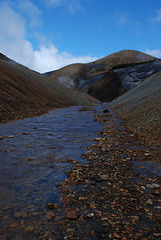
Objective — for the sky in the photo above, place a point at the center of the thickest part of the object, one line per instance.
(46, 35)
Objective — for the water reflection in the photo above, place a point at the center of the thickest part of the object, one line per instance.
(33, 161)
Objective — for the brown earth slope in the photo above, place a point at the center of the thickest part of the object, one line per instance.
(25, 93)
(140, 108)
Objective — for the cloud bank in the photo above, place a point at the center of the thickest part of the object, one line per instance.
(14, 43)
(155, 52)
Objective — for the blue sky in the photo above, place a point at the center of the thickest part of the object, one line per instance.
(48, 34)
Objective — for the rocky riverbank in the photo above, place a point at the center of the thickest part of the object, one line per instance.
(114, 196)
(109, 191)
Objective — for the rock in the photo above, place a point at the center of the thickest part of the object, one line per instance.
(11, 136)
(147, 154)
(153, 185)
(104, 177)
(82, 198)
(71, 215)
(106, 111)
(157, 234)
(50, 205)
(150, 202)
(90, 215)
(2, 137)
(98, 139)
(56, 206)
(156, 192)
(13, 225)
(26, 133)
(50, 215)
(117, 235)
(18, 215)
(6, 207)
(30, 159)
(24, 214)
(104, 218)
(158, 207)
(29, 229)
(36, 213)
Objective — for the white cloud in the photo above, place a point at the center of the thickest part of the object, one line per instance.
(13, 43)
(48, 58)
(56, 3)
(71, 6)
(120, 18)
(31, 12)
(155, 53)
(11, 24)
(157, 18)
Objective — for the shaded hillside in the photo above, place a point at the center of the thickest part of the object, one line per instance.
(97, 78)
(121, 79)
(140, 108)
(25, 93)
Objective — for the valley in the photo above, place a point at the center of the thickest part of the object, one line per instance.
(81, 150)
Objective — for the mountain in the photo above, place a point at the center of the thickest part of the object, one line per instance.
(26, 93)
(140, 109)
(101, 78)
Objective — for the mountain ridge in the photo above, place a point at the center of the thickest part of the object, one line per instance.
(99, 78)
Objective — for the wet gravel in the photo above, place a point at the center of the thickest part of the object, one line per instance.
(117, 195)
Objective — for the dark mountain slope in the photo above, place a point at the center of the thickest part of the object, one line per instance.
(100, 78)
(121, 79)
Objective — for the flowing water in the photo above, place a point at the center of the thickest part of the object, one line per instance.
(34, 155)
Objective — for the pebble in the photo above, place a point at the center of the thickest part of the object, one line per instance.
(50, 215)
(11, 136)
(23, 214)
(90, 215)
(14, 225)
(71, 215)
(98, 139)
(50, 206)
(106, 111)
(56, 206)
(150, 202)
(117, 235)
(157, 234)
(153, 185)
(18, 215)
(104, 177)
(29, 229)
(26, 133)
(2, 137)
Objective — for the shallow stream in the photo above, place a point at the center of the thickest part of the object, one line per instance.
(34, 155)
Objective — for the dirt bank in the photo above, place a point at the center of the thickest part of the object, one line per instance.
(140, 109)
